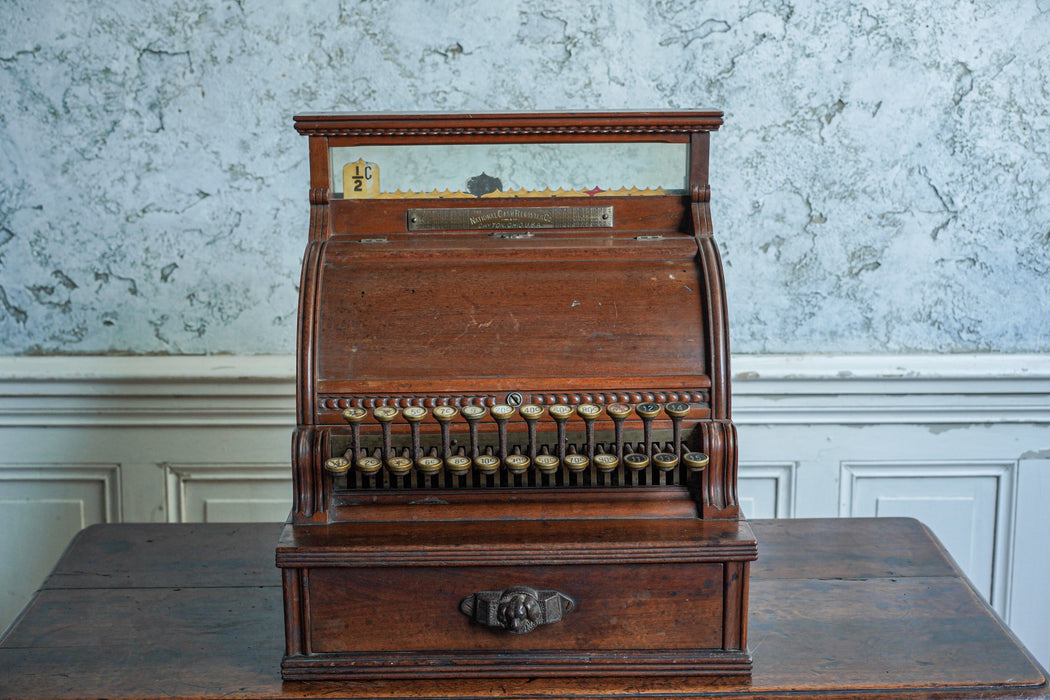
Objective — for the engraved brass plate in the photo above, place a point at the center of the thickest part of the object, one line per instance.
(500, 218)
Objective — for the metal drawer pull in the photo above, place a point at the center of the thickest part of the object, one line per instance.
(518, 609)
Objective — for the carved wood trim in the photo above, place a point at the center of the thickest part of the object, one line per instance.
(734, 618)
(338, 403)
(521, 555)
(719, 483)
(499, 131)
(293, 612)
(495, 125)
(307, 332)
(591, 662)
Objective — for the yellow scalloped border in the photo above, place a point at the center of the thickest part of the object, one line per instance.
(524, 194)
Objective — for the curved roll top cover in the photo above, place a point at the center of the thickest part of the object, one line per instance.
(461, 312)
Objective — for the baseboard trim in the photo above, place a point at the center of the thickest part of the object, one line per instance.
(232, 390)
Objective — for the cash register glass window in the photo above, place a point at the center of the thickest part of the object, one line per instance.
(509, 170)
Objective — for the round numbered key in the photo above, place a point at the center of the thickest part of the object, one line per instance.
(677, 409)
(369, 465)
(385, 414)
(486, 464)
(531, 412)
(428, 465)
(445, 413)
(457, 464)
(414, 414)
(548, 464)
(636, 462)
(589, 411)
(577, 463)
(337, 465)
(517, 464)
(665, 461)
(648, 410)
(618, 410)
(696, 461)
(473, 413)
(561, 411)
(354, 414)
(502, 411)
(606, 463)
(399, 465)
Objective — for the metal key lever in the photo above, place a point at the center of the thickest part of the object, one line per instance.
(473, 414)
(444, 415)
(354, 416)
(414, 415)
(501, 413)
(647, 411)
(530, 414)
(677, 411)
(561, 413)
(589, 412)
(618, 412)
(385, 415)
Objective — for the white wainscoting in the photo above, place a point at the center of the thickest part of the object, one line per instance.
(959, 442)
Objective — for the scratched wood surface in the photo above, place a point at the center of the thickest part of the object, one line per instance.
(839, 608)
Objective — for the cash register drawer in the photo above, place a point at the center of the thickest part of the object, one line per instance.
(610, 610)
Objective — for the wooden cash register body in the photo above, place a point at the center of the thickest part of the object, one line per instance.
(533, 299)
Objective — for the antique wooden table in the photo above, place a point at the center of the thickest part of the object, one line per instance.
(839, 608)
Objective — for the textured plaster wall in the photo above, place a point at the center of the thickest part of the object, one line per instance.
(881, 184)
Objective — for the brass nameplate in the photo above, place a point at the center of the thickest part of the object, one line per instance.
(500, 218)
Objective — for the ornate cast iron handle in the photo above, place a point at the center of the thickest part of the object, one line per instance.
(518, 609)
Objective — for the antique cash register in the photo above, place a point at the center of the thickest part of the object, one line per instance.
(514, 453)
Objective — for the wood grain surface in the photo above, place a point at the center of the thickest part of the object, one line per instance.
(839, 608)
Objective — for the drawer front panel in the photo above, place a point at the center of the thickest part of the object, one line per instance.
(396, 609)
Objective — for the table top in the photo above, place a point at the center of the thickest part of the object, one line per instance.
(838, 609)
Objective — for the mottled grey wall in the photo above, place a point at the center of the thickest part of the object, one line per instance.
(880, 185)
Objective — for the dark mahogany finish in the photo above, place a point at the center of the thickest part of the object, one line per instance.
(840, 609)
(376, 565)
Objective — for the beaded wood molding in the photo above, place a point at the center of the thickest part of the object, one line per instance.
(334, 403)
(494, 124)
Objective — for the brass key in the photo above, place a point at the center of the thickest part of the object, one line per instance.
(695, 461)
(457, 464)
(517, 464)
(337, 465)
(399, 465)
(385, 414)
(577, 463)
(354, 415)
(369, 465)
(486, 464)
(547, 464)
(636, 461)
(428, 465)
(665, 461)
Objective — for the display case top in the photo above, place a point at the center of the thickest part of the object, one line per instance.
(501, 251)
